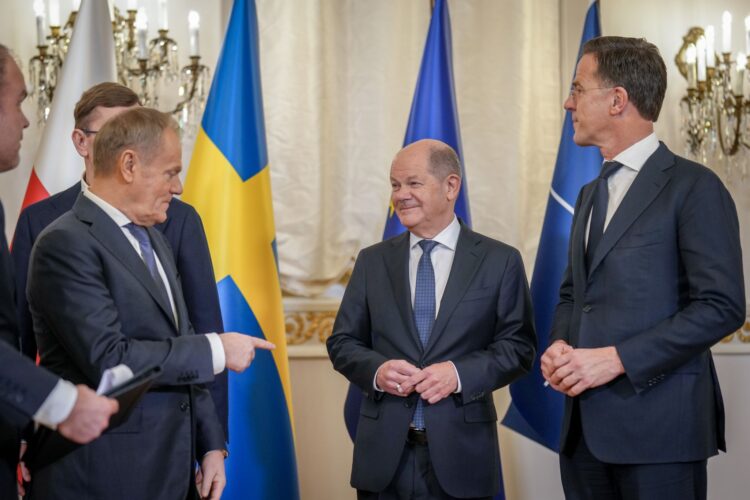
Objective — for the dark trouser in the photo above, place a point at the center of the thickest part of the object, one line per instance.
(414, 479)
(585, 477)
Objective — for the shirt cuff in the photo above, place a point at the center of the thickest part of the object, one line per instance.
(375, 381)
(218, 357)
(58, 405)
(458, 379)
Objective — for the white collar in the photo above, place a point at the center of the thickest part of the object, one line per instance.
(115, 214)
(448, 237)
(635, 156)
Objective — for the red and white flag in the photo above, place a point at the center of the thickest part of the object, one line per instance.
(90, 60)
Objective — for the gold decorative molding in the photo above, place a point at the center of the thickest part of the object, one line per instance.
(302, 327)
(735, 343)
(309, 323)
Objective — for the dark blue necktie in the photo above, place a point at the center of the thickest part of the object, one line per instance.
(148, 256)
(424, 309)
(599, 210)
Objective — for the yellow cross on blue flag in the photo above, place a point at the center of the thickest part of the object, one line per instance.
(229, 185)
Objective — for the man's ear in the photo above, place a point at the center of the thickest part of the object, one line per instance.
(127, 163)
(620, 100)
(81, 143)
(454, 186)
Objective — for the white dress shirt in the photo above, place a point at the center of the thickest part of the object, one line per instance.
(632, 159)
(442, 261)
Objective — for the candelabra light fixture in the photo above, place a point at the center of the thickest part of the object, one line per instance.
(716, 109)
(149, 67)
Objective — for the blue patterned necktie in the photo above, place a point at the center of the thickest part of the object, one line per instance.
(599, 210)
(424, 309)
(148, 256)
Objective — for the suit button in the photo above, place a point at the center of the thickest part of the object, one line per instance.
(407, 404)
(184, 406)
(586, 308)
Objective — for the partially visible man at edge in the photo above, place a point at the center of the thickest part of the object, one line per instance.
(28, 392)
(183, 229)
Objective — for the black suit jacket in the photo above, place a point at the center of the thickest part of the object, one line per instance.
(484, 326)
(664, 286)
(23, 386)
(184, 231)
(95, 305)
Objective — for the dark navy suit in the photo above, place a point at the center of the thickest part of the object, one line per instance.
(665, 284)
(184, 232)
(23, 386)
(95, 305)
(484, 326)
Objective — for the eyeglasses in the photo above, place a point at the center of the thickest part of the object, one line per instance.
(87, 131)
(576, 90)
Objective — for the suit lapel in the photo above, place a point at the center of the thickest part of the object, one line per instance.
(466, 261)
(647, 185)
(106, 232)
(167, 261)
(578, 242)
(397, 266)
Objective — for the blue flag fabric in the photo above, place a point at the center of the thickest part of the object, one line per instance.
(433, 115)
(535, 410)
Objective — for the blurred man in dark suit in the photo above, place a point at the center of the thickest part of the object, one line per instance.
(654, 279)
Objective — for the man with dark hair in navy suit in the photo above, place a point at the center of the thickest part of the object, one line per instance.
(183, 229)
(654, 279)
(28, 392)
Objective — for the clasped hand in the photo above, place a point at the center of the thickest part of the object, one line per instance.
(433, 383)
(572, 371)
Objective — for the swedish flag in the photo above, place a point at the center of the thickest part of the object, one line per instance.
(229, 184)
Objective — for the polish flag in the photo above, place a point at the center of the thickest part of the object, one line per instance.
(90, 60)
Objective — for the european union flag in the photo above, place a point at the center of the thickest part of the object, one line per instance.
(230, 186)
(535, 410)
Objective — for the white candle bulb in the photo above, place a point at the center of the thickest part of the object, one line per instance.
(690, 57)
(690, 54)
(710, 46)
(726, 32)
(739, 83)
(747, 34)
(132, 4)
(163, 15)
(76, 5)
(41, 32)
(194, 22)
(141, 25)
(701, 53)
(54, 12)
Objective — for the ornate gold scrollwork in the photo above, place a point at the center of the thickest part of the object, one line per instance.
(304, 326)
(743, 334)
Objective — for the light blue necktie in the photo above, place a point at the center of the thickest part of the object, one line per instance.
(424, 309)
(148, 256)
